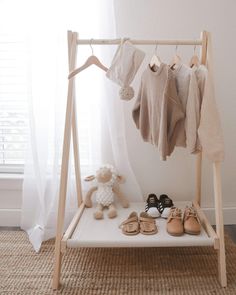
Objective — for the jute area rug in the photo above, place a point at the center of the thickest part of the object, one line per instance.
(112, 271)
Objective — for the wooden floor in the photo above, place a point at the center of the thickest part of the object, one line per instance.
(230, 229)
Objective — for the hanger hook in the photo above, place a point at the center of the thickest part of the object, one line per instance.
(194, 49)
(156, 48)
(90, 44)
(176, 49)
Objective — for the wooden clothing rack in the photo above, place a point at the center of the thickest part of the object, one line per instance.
(83, 228)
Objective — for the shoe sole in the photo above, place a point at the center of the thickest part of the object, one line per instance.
(156, 216)
(165, 216)
(175, 235)
(149, 233)
(192, 233)
(131, 233)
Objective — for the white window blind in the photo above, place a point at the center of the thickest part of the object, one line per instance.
(14, 86)
(13, 103)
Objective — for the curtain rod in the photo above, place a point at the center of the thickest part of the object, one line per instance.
(138, 42)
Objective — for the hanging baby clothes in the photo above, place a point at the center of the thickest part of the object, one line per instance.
(188, 92)
(158, 110)
(124, 67)
(210, 131)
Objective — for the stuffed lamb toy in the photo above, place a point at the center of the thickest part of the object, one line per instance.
(106, 188)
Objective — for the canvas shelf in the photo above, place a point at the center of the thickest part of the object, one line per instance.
(106, 232)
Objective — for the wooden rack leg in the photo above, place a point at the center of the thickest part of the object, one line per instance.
(198, 179)
(199, 155)
(64, 171)
(219, 224)
(76, 155)
(75, 137)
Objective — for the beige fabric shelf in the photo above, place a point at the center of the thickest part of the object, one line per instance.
(106, 233)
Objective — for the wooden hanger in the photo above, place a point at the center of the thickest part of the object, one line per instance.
(176, 59)
(92, 60)
(194, 61)
(155, 61)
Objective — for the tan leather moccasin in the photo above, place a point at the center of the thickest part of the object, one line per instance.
(192, 225)
(174, 224)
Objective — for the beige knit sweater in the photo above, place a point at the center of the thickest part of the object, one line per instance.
(189, 95)
(158, 110)
(210, 133)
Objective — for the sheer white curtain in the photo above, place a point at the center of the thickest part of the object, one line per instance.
(100, 112)
(113, 127)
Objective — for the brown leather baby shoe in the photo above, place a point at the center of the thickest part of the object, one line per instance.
(147, 224)
(191, 222)
(174, 224)
(130, 226)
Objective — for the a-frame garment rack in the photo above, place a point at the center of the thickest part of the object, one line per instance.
(75, 235)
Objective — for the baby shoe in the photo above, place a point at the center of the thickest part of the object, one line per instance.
(191, 222)
(165, 205)
(174, 224)
(151, 207)
(130, 226)
(147, 224)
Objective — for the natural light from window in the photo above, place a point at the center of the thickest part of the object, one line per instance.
(22, 25)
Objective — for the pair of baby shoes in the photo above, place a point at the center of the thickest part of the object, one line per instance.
(178, 223)
(158, 207)
(135, 224)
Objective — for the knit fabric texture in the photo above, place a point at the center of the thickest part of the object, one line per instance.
(189, 95)
(210, 132)
(158, 111)
(104, 194)
(124, 67)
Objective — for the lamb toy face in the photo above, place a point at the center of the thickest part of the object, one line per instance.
(107, 187)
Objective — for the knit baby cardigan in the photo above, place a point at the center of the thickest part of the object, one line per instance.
(158, 110)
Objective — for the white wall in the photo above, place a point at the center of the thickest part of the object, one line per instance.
(166, 19)
(10, 199)
(184, 19)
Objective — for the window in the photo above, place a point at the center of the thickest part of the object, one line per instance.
(13, 103)
(26, 18)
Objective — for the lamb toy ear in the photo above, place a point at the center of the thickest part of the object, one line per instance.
(120, 179)
(89, 178)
